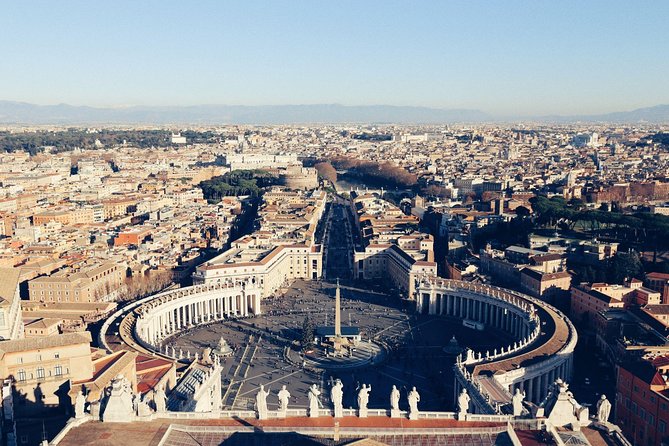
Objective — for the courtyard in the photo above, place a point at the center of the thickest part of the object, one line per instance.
(265, 348)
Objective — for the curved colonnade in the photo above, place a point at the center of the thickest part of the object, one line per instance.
(168, 313)
(542, 351)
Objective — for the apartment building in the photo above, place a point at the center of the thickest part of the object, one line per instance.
(660, 283)
(95, 283)
(589, 299)
(43, 367)
(642, 400)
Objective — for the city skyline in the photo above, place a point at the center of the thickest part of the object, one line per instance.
(512, 59)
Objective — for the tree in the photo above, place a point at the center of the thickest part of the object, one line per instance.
(307, 334)
(624, 265)
(436, 191)
(385, 173)
(522, 211)
(326, 171)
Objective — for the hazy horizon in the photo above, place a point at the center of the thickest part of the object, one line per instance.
(508, 59)
(390, 105)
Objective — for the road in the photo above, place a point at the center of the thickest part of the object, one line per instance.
(338, 254)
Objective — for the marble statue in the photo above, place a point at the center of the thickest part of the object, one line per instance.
(394, 402)
(160, 400)
(143, 409)
(261, 402)
(517, 402)
(314, 402)
(79, 405)
(119, 407)
(284, 396)
(414, 398)
(363, 399)
(603, 409)
(337, 396)
(463, 403)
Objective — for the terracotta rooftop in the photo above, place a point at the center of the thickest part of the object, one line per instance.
(153, 432)
(554, 334)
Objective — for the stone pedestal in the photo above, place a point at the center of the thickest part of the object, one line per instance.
(362, 413)
(413, 415)
(395, 413)
(281, 414)
(462, 415)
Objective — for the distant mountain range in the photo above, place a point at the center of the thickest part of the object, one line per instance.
(656, 114)
(63, 114)
(23, 113)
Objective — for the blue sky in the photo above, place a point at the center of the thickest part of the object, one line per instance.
(502, 57)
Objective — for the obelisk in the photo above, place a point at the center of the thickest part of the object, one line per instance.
(337, 326)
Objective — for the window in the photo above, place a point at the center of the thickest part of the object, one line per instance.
(58, 370)
(21, 375)
(40, 372)
(661, 426)
(56, 355)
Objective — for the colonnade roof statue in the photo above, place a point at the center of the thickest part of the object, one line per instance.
(517, 403)
(603, 409)
(463, 404)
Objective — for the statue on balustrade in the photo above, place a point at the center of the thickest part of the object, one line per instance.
(160, 400)
(261, 402)
(463, 403)
(337, 396)
(284, 396)
(603, 409)
(517, 402)
(363, 399)
(414, 398)
(79, 405)
(394, 399)
(314, 402)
